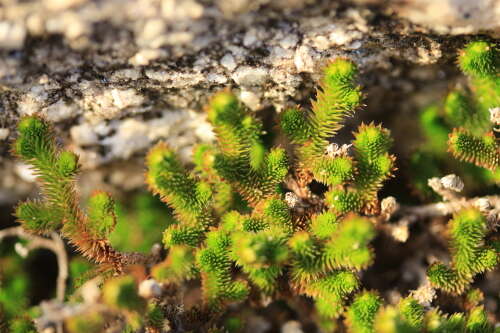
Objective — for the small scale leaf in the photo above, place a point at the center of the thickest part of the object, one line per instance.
(101, 213)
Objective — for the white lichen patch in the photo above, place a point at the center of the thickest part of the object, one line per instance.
(249, 76)
(84, 135)
(61, 110)
(452, 182)
(181, 9)
(424, 294)
(131, 136)
(180, 129)
(289, 41)
(251, 37)
(152, 33)
(108, 103)
(216, 78)
(250, 99)
(304, 59)
(12, 34)
(35, 98)
(340, 36)
(228, 62)
(453, 16)
(149, 288)
(400, 232)
(69, 24)
(126, 74)
(171, 79)
(430, 54)
(61, 4)
(4, 133)
(145, 56)
(281, 57)
(292, 326)
(495, 115)
(29, 105)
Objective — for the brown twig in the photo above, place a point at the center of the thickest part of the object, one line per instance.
(416, 213)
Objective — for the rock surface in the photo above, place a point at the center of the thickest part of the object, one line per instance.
(116, 76)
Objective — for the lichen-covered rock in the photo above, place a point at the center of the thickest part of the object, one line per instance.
(454, 16)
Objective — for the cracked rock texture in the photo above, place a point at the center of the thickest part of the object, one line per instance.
(116, 76)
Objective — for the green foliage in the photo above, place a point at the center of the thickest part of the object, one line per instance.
(188, 197)
(462, 125)
(101, 212)
(330, 292)
(215, 267)
(222, 233)
(140, 223)
(361, 314)
(344, 201)
(473, 321)
(59, 209)
(232, 227)
(477, 321)
(178, 266)
(37, 217)
(67, 163)
(470, 253)
(91, 321)
(261, 255)
(479, 59)
(483, 151)
(242, 159)
(336, 98)
(80, 271)
(14, 284)
(353, 180)
(167, 177)
(154, 316)
(121, 293)
(348, 246)
(406, 317)
(324, 225)
(296, 125)
(22, 325)
(334, 170)
(322, 267)
(438, 323)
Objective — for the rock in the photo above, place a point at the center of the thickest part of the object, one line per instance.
(303, 59)
(228, 62)
(4, 133)
(292, 326)
(249, 76)
(250, 99)
(149, 288)
(12, 35)
(454, 16)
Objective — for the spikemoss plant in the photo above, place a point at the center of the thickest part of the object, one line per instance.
(465, 123)
(323, 247)
(59, 209)
(474, 140)
(247, 224)
(471, 254)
